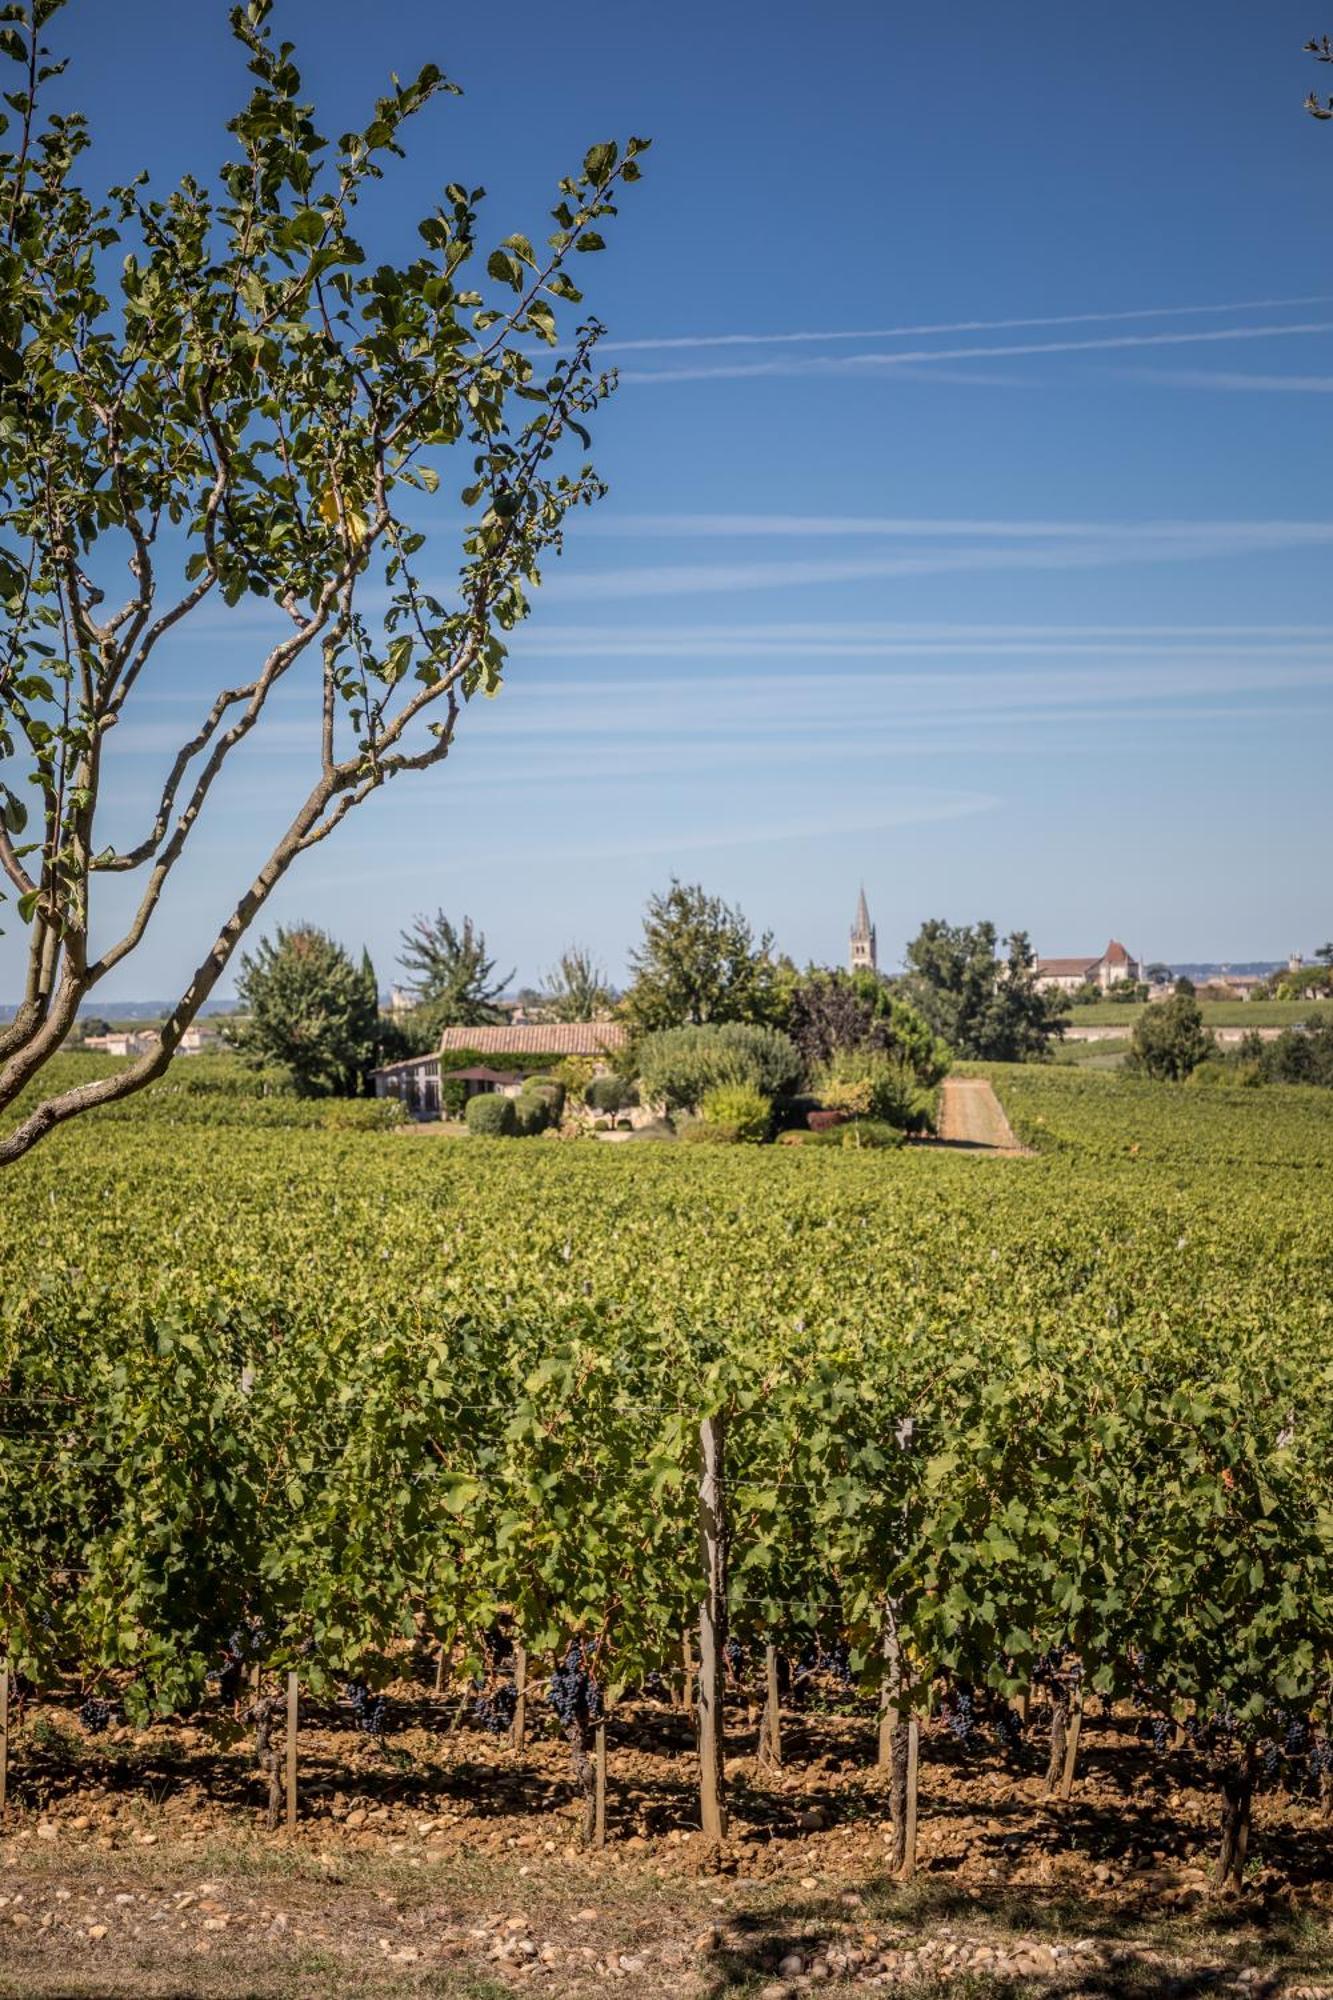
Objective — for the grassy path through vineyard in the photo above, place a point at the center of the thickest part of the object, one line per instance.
(971, 1115)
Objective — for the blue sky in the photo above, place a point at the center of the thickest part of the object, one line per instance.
(969, 530)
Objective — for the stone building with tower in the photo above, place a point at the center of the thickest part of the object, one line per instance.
(864, 955)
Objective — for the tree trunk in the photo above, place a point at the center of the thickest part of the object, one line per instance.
(518, 1730)
(599, 1806)
(904, 1753)
(580, 1736)
(1237, 1805)
(1075, 1730)
(1055, 1768)
(898, 1749)
(770, 1723)
(268, 1755)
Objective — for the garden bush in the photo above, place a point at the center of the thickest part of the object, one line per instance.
(680, 1066)
(704, 1132)
(609, 1093)
(870, 1084)
(736, 1104)
(490, 1116)
(453, 1097)
(872, 1132)
(547, 1090)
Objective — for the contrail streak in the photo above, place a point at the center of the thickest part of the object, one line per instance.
(829, 364)
(953, 326)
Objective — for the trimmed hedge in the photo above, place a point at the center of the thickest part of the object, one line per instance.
(490, 1116)
(610, 1093)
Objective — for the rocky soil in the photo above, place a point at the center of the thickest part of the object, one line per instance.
(439, 1862)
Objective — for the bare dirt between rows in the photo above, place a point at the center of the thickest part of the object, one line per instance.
(443, 1864)
(971, 1117)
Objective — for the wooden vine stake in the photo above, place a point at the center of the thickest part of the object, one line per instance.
(518, 1731)
(770, 1723)
(907, 1867)
(4, 1734)
(599, 1796)
(293, 1717)
(1071, 1744)
(712, 1631)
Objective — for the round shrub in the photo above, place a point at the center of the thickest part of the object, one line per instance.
(531, 1115)
(703, 1132)
(824, 1121)
(738, 1105)
(547, 1090)
(490, 1116)
(609, 1093)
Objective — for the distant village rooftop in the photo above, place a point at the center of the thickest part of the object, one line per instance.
(538, 1038)
(1066, 975)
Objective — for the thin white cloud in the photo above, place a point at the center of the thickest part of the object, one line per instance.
(693, 340)
(924, 357)
(846, 527)
(1153, 544)
(1207, 378)
(837, 640)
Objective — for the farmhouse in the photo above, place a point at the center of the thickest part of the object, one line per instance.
(416, 1082)
(1066, 975)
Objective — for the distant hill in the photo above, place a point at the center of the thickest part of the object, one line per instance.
(130, 1010)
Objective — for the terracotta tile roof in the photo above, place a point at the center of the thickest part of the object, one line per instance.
(555, 1038)
(1065, 968)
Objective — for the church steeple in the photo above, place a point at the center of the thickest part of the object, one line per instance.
(864, 957)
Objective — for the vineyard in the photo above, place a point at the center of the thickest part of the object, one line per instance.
(984, 1445)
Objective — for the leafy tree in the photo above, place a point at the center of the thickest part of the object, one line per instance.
(1184, 984)
(223, 391)
(1298, 1055)
(310, 1010)
(831, 1013)
(577, 989)
(700, 962)
(1158, 973)
(451, 975)
(986, 1009)
(1169, 1039)
(1324, 955)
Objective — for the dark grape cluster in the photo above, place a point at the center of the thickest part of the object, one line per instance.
(369, 1715)
(1161, 1731)
(249, 1641)
(572, 1689)
(734, 1657)
(225, 1681)
(1061, 1667)
(959, 1714)
(1008, 1728)
(834, 1661)
(495, 1708)
(96, 1714)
